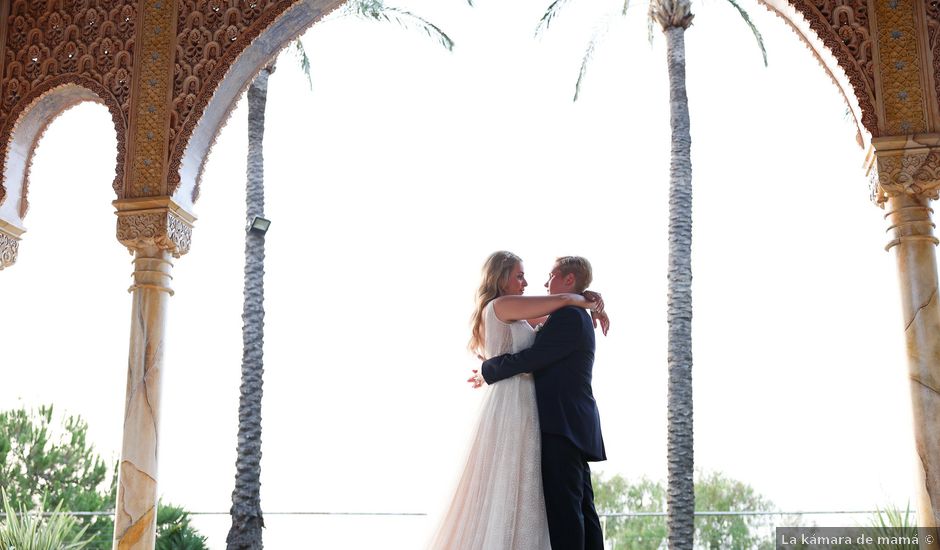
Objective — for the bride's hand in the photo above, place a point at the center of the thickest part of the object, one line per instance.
(597, 301)
(603, 318)
(476, 380)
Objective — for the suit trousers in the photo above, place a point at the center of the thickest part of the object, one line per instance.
(569, 497)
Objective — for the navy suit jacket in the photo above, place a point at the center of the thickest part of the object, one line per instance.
(562, 359)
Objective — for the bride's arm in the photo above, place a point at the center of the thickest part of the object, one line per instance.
(596, 308)
(514, 308)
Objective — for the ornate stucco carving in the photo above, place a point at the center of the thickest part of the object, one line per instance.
(899, 65)
(210, 35)
(9, 243)
(89, 43)
(154, 63)
(933, 42)
(9, 246)
(156, 223)
(844, 28)
(152, 89)
(64, 86)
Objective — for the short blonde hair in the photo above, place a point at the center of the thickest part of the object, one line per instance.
(578, 266)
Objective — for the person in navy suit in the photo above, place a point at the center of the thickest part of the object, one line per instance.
(562, 360)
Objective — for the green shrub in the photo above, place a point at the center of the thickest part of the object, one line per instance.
(174, 531)
(890, 524)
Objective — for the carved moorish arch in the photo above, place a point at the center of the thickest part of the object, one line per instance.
(56, 54)
(213, 71)
(884, 56)
(62, 52)
(838, 35)
(25, 126)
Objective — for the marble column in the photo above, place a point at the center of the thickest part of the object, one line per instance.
(135, 525)
(905, 176)
(914, 246)
(154, 230)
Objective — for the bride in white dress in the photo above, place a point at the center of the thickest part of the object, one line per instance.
(498, 503)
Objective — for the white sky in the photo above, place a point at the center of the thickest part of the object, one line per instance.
(388, 185)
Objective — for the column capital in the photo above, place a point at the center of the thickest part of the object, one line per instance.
(154, 222)
(904, 165)
(9, 243)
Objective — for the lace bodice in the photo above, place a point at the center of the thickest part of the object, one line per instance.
(503, 337)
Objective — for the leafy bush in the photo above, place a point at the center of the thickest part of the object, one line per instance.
(174, 531)
(897, 528)
(43, 463)
(713, 492)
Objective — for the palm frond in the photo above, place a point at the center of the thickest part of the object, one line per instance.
(23, 529)
(890, 523)
(304, 61)
(750, 24)
(626, 4)
(599, 32)
(376, 10)
(549, 15)
(406, 18)
(362, 8)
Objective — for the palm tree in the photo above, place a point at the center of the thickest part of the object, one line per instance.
(674, 17)
(247, 519)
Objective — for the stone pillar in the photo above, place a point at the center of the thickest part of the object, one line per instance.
(154, 230)
(911, 233)
(905, 175)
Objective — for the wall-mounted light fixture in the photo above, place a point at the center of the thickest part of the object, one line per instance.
(259, 225)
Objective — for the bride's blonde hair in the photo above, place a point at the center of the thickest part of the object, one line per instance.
(493, 278)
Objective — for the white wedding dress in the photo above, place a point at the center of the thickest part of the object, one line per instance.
(498, 504)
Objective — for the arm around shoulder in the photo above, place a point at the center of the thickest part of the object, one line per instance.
(515, 308)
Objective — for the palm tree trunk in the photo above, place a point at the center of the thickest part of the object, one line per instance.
(681, 497)
(247, 521)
